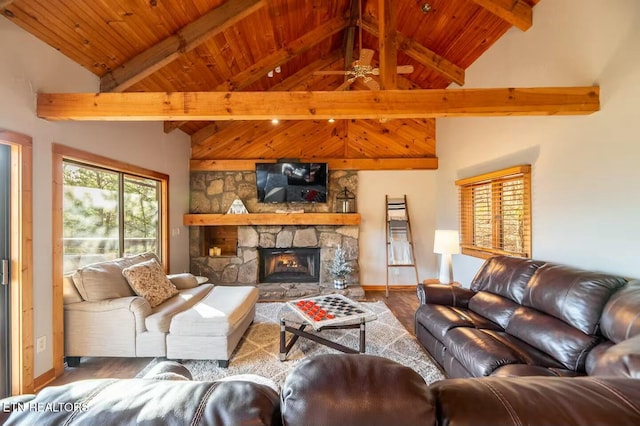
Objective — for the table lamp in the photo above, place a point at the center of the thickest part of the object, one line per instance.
(446, 243)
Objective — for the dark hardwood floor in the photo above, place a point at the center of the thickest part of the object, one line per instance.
(403, 304)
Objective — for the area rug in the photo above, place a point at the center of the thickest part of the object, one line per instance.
(257, 352)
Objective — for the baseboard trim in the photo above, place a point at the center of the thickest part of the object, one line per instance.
(391, 287)
(44, 379)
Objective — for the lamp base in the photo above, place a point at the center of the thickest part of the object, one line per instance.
(445, 269)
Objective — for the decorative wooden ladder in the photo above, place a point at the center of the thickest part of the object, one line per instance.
(400, 250)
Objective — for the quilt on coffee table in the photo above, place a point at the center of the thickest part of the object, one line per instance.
(258, 350)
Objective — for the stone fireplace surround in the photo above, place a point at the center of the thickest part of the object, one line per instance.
(213, 192)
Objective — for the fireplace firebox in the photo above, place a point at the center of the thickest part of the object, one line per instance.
(290, 265)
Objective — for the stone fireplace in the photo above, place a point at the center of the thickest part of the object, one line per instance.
(213, 192)
(289, 265)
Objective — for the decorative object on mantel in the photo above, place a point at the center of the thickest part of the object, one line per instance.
(237, 207)
(339, 269)
(345, 201)
(446, 242)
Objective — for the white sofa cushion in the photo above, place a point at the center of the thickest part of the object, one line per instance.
(148, 280)
(218, 314)
(101, 281)
(161, 315)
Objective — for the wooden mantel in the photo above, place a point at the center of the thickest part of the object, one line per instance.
(337, 219)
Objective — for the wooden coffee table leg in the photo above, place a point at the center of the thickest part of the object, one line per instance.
(362, 337)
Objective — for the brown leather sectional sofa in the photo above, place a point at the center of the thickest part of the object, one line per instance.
(332, 389)
(524, 317)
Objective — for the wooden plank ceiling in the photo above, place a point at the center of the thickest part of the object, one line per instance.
(276, 46)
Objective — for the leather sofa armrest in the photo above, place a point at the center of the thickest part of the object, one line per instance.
(442, 294)
(538, 401)
(620, 360)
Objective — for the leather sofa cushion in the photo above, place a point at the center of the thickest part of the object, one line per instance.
(620, 318)
(552, 336)
(494, 307)
(439, 319)
(160, 318)
(478, 352)
(359, 389)
(537, 401)
(577, 297)
(527, 354)
(506, 276)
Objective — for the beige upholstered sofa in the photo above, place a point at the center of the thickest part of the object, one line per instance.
(104, 316)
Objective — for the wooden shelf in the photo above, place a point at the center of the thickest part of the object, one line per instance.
(272, 219)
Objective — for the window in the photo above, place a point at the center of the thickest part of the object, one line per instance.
(108, 214)
(495, 213)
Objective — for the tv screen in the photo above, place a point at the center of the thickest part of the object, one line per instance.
(292, 182)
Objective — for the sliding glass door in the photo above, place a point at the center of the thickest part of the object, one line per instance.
(5, 196)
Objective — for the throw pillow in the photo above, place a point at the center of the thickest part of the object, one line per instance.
(183, 281)
(147, 279)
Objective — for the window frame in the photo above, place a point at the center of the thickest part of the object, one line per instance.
(467, 216)
(60, 153)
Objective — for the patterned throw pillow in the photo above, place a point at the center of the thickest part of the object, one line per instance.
(147, 279)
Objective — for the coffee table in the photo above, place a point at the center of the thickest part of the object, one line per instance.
(328, 312)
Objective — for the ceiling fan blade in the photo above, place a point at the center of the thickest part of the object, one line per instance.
(331, 72)
(372, 84)
(366, 55)
(404, 69)
(345, 85)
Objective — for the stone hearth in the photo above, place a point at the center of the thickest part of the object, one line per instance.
(213, 192)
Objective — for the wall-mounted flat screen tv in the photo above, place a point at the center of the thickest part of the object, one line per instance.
(292, 182)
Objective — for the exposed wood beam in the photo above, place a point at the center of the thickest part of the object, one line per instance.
(388, 45)
(170, 126)
(420, 53)
(421, 163)
(283, 55)
(5, 3)
(350, 35)
(186, 39)
(516, 12)
(382, 104)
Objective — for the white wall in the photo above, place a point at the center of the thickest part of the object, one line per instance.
(420, 189)
(29, 66)
(585, 201)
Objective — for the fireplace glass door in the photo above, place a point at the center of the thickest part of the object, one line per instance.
(292, 265)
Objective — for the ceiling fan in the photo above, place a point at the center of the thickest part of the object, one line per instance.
(362, 68)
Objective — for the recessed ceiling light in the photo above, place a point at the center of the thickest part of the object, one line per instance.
(274, 121)
(331, 120)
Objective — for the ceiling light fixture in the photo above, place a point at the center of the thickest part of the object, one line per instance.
(270, 74)
(331, 120)
(274, 121)
(426, 8)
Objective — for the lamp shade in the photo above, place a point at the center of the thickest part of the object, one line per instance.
(446, 241)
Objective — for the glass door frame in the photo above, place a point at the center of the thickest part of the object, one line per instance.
(21, 262)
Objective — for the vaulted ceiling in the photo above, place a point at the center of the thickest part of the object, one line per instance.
(277, 45)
